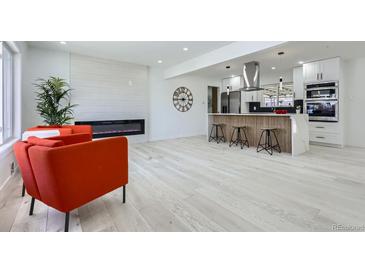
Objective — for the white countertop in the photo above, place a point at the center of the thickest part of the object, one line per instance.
(256, 114)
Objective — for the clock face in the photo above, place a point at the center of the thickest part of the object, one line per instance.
(182, 99)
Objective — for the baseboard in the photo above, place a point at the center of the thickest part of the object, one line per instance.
(7, 180)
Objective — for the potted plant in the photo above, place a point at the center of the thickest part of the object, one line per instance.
(298, 109)
(54, 101)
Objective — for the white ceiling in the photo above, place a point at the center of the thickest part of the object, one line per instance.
(144, 53)
(293, 53)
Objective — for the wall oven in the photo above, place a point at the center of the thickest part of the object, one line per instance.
(319, 91)
(323, 110)
(321, 101)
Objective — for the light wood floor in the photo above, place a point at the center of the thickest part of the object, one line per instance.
(189, 184)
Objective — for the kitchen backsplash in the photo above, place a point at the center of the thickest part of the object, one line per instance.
(255, 107)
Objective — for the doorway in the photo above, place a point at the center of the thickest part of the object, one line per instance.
(213, 99)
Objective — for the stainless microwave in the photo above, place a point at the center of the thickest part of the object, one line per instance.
(318, 91)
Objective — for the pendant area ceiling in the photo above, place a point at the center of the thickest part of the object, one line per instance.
(294, 53)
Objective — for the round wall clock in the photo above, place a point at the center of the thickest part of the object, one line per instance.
(182, 99)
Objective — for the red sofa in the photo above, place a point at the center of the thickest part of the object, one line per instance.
(66, 172)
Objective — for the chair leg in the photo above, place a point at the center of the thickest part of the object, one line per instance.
(23, 190)
(67, 221)
(123, 194)
(31, 206)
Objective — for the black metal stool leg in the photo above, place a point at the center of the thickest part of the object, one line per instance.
(67, 221)
(259, 143)
(210, 135)
(221, 138)
(123, 194)
(277, 145)
(31, 206)
(23, 190)
(246, 139)
(269, 143)
(239, 138)
(217, 134)
(231, 142)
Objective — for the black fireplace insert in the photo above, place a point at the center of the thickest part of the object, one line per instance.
(109, 128)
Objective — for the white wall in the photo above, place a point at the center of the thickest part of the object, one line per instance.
(41, 64)
(6, 154)
(354, 95)
(165, 121)
(109, 90)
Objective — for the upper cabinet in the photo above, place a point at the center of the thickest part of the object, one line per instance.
(322, 71)
(311, 72)
(235, 83)
(251, 96)
(330, 69)
(298, 83)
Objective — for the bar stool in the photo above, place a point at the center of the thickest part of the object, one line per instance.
(268, 146)
(242, 140)
(217, 137)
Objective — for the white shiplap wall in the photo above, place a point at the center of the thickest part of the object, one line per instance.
(109, 90)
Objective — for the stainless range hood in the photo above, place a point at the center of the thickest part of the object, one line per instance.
(251, 76)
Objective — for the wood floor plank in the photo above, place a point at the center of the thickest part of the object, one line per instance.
(189, 184)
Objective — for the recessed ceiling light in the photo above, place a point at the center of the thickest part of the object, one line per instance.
(300, 62)
(63, 42)
(273, 67)
(159, 61)
(185, 49)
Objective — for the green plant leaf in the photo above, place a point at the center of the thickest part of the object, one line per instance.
(53, 101)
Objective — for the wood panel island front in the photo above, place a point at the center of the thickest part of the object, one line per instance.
(293, 129)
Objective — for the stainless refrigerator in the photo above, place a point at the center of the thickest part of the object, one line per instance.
(231, 103)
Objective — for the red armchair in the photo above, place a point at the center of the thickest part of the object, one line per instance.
(66, 130)
(66, 177)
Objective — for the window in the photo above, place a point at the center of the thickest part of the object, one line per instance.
(7, 93)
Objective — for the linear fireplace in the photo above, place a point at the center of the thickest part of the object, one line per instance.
(110, 128)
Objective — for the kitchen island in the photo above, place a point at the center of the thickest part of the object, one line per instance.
(293, 129)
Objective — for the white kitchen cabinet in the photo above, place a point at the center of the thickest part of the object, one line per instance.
(226, 82)
(330, 69)
(325, 133)
(250, 96)
(311, 72)
(235, 83)
(324, 70)
(298, 83)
